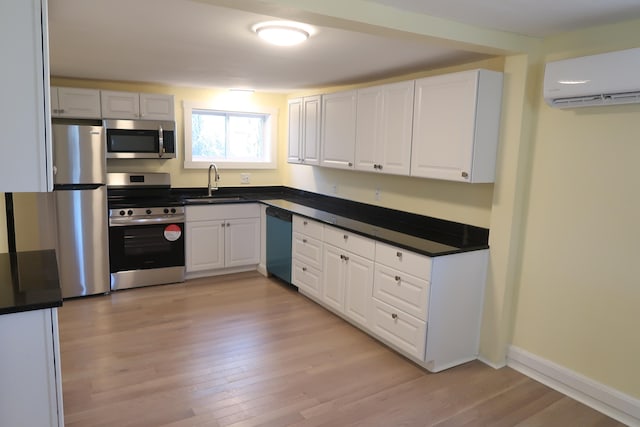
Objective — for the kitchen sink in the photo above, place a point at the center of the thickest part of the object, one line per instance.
(204, 199)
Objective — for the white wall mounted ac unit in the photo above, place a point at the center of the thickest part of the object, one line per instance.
(605, 79)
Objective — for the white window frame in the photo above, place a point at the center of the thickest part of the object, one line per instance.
(271, 133)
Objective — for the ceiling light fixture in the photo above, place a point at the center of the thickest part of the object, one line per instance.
(282, 33)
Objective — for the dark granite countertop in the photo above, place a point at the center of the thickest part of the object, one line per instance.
(423, 234)
(29, 281)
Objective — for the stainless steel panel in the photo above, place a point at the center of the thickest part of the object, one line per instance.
(141, 156)
(83, 241)
(79, 154)
(137, 278)
(150, 179)
(127, 221)
(140, 124)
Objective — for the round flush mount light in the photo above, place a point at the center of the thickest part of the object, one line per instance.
(282, 33)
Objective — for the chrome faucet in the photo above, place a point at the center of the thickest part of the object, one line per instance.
(216, 178)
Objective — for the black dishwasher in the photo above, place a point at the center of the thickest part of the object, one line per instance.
(279, 243)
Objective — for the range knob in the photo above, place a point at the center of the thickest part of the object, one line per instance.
(129, 212)
(121, 213)
(148, 211)
(166, 210)
(173, 210)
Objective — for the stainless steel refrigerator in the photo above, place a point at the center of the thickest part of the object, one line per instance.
(81, 207)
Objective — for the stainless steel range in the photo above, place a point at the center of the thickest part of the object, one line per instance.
(146, 230)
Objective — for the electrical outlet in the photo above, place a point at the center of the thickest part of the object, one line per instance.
(377, 195)
(244, 178)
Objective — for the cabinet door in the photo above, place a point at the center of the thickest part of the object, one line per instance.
(294, 153)
(358, 288)
(242, 242)
(368, 128)
(204, 245)
(156, 107)
(394, 144)
(312, 108)
(307, 278)
(120, 105)
(30, 369)
(307, 249)
(444, 126)
(338, 132)
(25, 163)
(333, 278)
(78, 103)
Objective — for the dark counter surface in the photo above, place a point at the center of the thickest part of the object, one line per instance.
(423, 234)
(29, 281)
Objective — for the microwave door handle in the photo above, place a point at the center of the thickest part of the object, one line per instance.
(161, 142)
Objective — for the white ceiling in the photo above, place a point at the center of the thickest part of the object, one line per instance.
(196, 43)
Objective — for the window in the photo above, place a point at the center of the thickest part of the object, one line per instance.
(231, 139)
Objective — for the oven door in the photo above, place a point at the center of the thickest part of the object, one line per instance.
(142, 255)
(140, 247)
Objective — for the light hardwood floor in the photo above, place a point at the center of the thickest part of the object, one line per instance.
(243, 350)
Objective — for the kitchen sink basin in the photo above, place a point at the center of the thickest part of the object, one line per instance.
(212, 199)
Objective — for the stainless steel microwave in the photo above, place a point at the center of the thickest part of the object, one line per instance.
(140, 139)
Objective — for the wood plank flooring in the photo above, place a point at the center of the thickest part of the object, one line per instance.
(243, 350)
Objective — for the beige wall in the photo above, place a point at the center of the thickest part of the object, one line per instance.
(577, 300)
(196, 177)
(3, 226)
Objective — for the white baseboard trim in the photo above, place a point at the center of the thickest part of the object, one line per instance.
(491, 364)
(600, 397)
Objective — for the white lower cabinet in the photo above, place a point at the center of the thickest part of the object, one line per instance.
(400, 329)
(306, 263)
(222, 237)
(31, 386)
(427, 308)
(348, 276)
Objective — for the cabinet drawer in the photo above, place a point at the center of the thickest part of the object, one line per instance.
(401, 290)
(308, 226)
(350, 242)
(307, 249)
(307, 278)
(404, 260)
(226, 211)
(399, 328)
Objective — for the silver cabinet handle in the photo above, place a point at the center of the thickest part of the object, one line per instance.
(399, 255)
(304, 223)
(228, 224)
(304, 268)
(345, 236)
(397, 279)
(350, 164)
(304, 240)
(346, 258)
(394, 316)
(465, 175)
(223, 224)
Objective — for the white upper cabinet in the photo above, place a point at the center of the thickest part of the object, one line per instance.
(133, 105)
(155, 106)
(25, 163)
(120, 105)
(338, 130)
(456, 125)
(75, 102)
(304, 130)
(384, 126)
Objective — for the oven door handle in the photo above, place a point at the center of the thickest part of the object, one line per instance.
(123, 222)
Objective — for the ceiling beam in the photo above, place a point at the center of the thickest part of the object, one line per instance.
(374, 18)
